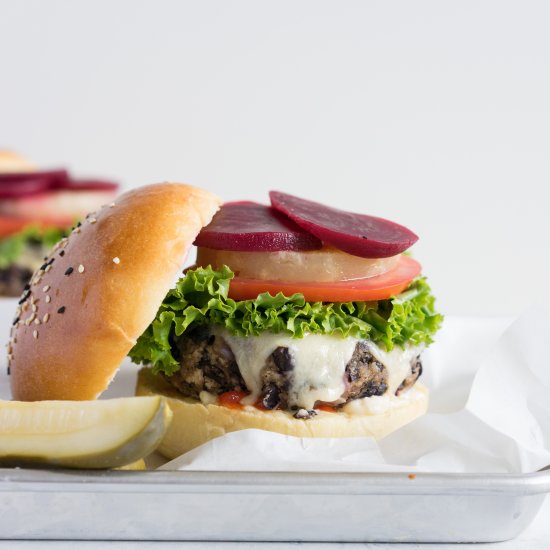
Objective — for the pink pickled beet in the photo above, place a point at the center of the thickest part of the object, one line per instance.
(22, 184)
(357, 234)
(23, 188)
(89, 185)
(56, 176)
(253, 227)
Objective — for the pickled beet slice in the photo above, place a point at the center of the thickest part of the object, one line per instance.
(22, 184)
(249, 226)
(57, 176)
(90, 185)
(357, 234)
(23, 188)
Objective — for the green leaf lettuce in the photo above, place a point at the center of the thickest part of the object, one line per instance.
(201, 297)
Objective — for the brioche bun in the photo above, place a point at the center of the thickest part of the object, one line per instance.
(14, 162)
(194, 423)
(99, 289)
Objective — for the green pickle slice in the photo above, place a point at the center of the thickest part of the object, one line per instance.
(81, 434)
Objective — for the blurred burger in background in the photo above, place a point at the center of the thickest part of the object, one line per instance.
(37, 209)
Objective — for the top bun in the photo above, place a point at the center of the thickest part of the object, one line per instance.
(13, 162)
(100, 288)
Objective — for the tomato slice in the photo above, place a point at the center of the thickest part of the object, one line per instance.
(380, 287)
(11, 224)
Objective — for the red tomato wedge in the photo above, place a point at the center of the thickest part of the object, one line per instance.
(10, 225)
(380, 287)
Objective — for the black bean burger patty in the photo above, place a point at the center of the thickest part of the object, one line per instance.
(208, 364)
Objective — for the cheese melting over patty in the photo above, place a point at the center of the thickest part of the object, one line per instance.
(319, 364)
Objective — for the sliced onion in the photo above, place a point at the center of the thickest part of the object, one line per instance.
(319, 266)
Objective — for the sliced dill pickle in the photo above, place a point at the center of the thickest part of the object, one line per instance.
(81, 434)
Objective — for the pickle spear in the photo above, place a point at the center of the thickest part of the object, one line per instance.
(81, 434)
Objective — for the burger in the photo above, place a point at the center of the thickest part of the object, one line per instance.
(297, 318)
(37, 209)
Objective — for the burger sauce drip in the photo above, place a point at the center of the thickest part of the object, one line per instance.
(232, 399)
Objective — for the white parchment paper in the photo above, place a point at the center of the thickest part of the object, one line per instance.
(489, 412)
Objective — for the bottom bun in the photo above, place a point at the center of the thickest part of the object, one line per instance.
(195, 423)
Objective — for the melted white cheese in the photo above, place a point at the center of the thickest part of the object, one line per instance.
(319, 363)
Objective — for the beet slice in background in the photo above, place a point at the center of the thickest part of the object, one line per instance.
(24, 188)
(55, 176)
(89, 185)
(22, 184)
(249, 227)
(357, 234)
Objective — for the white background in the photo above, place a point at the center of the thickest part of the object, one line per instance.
(434, 114)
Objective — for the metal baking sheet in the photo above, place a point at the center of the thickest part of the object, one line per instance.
(351, 507)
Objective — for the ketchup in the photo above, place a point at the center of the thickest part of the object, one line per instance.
(232, 399)
(326, 407)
